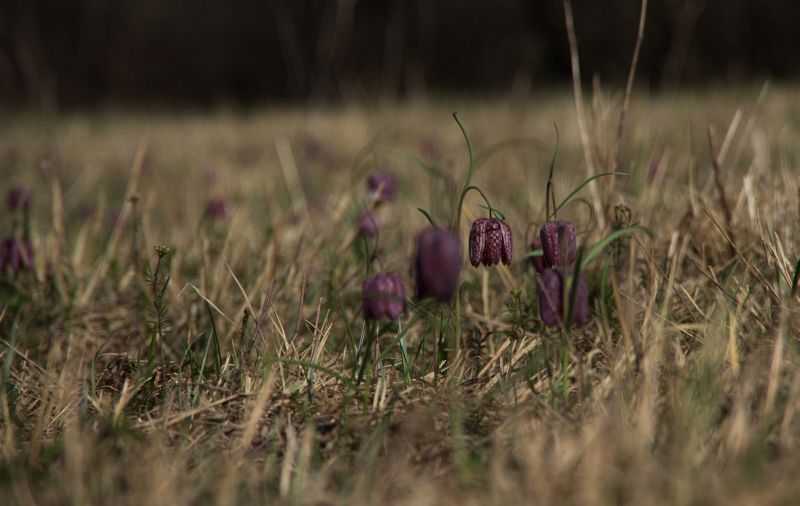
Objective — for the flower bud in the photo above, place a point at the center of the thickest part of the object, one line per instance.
(489, 242)
(382, 186)
(437, 264)
(558, 243)
(384, 296)
(368, 225)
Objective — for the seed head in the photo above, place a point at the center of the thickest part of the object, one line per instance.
(558, 243)
(552, 303)
(382, 186)
(368, 225)
(384, 296)
(437, 264)
(490, 242)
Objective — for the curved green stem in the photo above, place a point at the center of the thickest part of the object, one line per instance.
(464, 192)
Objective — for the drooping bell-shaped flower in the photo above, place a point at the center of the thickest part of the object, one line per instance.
(382, 186)
(437, 264)
(15, 255)
(217, 209)
(18, 199)
(490, 242)
(558, 243)
(384, 296)
(538, 261)
(368, 225)
(554, 302)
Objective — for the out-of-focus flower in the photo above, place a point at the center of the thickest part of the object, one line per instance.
(19, 199)
(437, 264)
(558, 243)
(490, 242)
(538, 261)
(15, 255)
(382, 186)
(368, 225)
(552, 304)
(217, 209)
(384, 296)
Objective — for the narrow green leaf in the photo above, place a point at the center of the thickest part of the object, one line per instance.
(598, 248)
(581, 186)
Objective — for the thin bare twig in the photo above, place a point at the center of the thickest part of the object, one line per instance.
(723, 198)
(577, 91)
(629, 86)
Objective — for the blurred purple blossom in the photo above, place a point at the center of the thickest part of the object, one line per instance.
(384, 295)
(368, 225)
(382, 186)
(437, 264)
(551, 298)
(15, 254)
(217, 209)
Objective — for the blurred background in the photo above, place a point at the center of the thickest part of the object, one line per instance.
(90, 53)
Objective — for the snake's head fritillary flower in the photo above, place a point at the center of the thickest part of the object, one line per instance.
(18, 199)
(368, 225)
(217, 209)
(538, 261)
(384, 296)
(382, 186)
(15, 255)
(490, 242)
(558, 243)
(552, 304)
(437, 264)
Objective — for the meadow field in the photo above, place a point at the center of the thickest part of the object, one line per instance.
(184, 324)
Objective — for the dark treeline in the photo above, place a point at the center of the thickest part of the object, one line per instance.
(89, 52)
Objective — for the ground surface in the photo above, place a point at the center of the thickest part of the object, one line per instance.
(234, 383)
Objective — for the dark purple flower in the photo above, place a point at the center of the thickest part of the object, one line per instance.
(538, 261)
(384, 296)
(489, 242)
(217, 209)
(15, 254)
(382, 186)
(368, 225)
(437, 264)
(18, 199)
(558, 243)
(551, 298)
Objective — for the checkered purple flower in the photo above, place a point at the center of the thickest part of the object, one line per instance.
(558, 243)
(490, 242)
